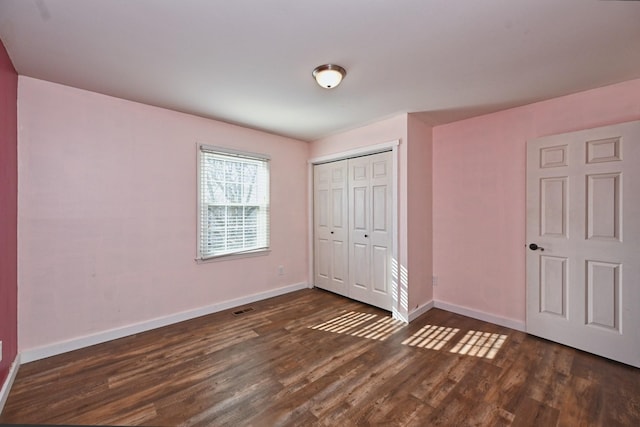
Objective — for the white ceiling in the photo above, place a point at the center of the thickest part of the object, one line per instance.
(250, 61)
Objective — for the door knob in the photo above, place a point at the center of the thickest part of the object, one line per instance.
(366, 235)
(332, 232)
(535, 247)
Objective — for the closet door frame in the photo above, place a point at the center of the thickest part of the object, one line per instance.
(357, 152)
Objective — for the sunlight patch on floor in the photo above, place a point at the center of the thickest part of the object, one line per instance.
(380, 330)
(431, 337)
(479, 344)
(346, 322)
(351, 323)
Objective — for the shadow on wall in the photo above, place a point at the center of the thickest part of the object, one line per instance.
(400, 291)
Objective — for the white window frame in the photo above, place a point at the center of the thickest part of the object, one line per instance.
(230, 153)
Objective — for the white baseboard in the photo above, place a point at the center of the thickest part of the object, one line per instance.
(481, 315)
(421, 310)
(38, 353)
(6, 387)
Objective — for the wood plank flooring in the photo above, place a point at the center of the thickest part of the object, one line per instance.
(313, 358)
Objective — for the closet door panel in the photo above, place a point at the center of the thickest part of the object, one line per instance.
(380, 259)
(323, 261)
(331, 268)
(379, 211)
(369, 234)
(359, 263)
(360, 208)
(339, 262)
(337, 209)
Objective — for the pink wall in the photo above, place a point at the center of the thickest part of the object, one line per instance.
(414, 194)
(8, 213)
(107, 214)
(479, 193)
(419, 212)
(382, 131)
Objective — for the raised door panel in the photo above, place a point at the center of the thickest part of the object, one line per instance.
(337, 208)
(603, 295)
(322, 208)
(380, 269)
(323, 259)
(603, 206)
(553, 206)
(359, 212)
(553, 156)
(553, 285)
(360, 267)
(380, 222)
(603, 150)
(339, 263)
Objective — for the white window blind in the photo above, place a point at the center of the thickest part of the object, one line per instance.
(233, 202)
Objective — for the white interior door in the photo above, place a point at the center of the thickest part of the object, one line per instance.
(583, 233)
(331, 269)
(370, 237)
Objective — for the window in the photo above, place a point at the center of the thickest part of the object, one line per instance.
(233, 202)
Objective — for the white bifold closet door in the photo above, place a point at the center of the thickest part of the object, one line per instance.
(352, 221)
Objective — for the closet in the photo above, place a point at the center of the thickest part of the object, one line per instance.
(353, 228)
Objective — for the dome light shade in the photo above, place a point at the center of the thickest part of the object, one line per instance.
(329, 76)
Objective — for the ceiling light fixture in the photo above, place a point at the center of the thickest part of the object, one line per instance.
(329, 75)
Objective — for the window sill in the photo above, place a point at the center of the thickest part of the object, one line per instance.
(229, 257)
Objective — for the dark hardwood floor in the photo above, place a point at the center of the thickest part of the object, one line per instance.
(313, 358)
